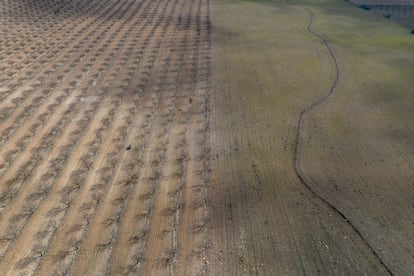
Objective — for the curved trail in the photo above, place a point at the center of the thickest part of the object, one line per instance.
(299, 131)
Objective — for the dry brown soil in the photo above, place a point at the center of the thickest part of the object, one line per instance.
(104, 136)
(181, 137)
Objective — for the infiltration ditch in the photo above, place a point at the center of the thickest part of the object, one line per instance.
(299, 133)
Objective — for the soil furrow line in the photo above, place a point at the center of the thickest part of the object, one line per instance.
(125, 59)
(17, 218)
(43, 54)
(60, 78)
(110, 39)
(29, 34)
(123, 183)
(186, 196)
(126, 238)
(34, 47)
(158, 245)
(61, 59)
(91, 8)
(80, 229)
(192, 220)
(26, 226)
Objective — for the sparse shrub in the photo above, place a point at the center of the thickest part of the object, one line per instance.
(365, 7)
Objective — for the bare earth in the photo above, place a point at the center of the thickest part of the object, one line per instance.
(191, 137)
(81, 81)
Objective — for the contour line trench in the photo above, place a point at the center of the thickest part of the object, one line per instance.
(305, 112)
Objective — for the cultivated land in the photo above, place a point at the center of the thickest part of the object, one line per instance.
(313, 140)
(191, 137)
(81, 81)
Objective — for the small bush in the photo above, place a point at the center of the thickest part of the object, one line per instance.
(365, 7)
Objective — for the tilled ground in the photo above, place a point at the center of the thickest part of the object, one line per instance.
(104, 146)
(312, 141)
(137, 137)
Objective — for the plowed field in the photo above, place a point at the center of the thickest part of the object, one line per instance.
(313, 140)
(190, 137)
(104, 136)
